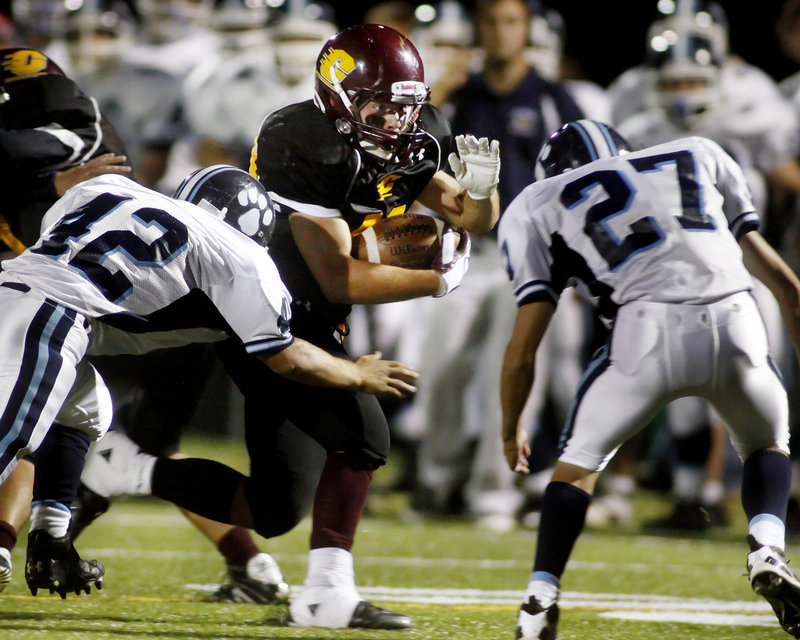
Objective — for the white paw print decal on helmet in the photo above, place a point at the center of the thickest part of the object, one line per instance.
(251, 220)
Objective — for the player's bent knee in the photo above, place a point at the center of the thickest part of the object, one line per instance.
(271, 525)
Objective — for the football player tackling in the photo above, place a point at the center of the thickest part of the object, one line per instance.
(665, 239)
(122, 269)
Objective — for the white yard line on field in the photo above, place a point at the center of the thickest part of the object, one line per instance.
(399, 561)
(610, 605)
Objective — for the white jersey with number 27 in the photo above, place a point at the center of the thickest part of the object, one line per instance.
(656, 225)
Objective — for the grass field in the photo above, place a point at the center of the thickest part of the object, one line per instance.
(458, 582)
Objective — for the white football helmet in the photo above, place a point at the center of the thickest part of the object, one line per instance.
(297, 38)
(98, 38)
(687, 48)
(241, 24)
(546, 44)
(168, 21)
(444, 39)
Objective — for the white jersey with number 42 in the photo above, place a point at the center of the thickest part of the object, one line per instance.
(149, 271)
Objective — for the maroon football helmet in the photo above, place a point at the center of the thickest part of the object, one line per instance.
(370, 83)
(18, 64)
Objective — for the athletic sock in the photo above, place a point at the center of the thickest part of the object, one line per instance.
(8, 535)
(766, 481)
(50, 516)
(766, 485)
(58, 462)
(237, 547)
(338, 503)
(563, 514)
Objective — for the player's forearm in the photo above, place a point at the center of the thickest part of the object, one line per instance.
(765, 263)
(449, 199)
(516, 380)
(305, 363)
(368, 283)
(480, 216)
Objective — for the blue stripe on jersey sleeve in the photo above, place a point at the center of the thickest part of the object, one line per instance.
(269, 346)
(746, 222)
(536, 290)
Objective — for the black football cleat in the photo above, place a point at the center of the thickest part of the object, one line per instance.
(686, 517)
(258, 582)
(85, 509)
(368, 616)
(54, 564)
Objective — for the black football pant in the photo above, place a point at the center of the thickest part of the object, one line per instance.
(289, 430)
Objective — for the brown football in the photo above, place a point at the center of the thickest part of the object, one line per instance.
(409, 240)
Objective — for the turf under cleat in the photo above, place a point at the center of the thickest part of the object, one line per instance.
(5, 567)
(54, 564)
(536, 622)
(259, 582)
(772, 579)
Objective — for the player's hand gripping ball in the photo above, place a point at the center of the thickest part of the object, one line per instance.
(410, 240)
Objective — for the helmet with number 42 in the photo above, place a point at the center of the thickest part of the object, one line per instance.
(370, 82)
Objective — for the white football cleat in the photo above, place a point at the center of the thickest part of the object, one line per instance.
(340, 607)
(329, 597)
(5, 567)
(536, 622)
(260, 581)
(772, 579)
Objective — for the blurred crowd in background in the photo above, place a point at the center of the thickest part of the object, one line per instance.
(187, 83)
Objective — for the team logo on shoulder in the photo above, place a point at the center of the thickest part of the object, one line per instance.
(23, 63)
(334, 67)
(385, 186)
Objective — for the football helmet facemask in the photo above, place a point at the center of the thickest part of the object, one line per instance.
(370, 83)
(575, 144)
(232, 195)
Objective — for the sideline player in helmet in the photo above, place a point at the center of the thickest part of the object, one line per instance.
(671, 273)
(366, 147)
(699, 87)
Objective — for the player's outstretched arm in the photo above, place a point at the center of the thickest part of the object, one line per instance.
(765, 264)
(516, 379)
(306, 363)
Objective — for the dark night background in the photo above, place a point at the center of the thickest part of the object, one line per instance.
(607, 36)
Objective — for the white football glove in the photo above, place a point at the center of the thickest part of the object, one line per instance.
(476, 165)
(453, 260)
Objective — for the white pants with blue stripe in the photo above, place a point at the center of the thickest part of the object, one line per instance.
(660, 352)
(43, 376)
